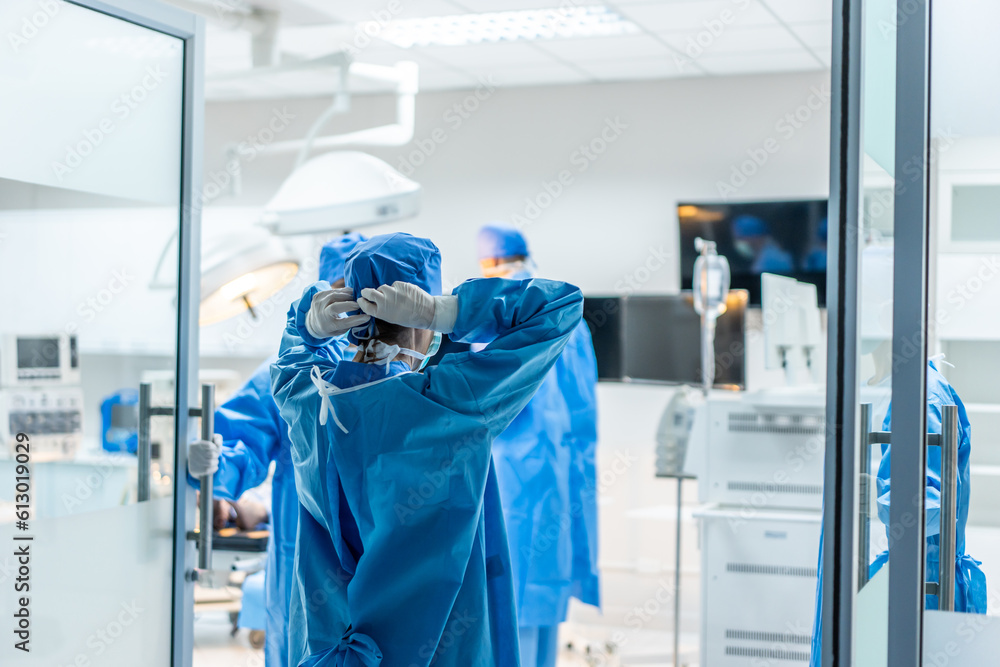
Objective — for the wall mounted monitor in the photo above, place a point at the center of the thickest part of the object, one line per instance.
(658, 339)
(787, 238)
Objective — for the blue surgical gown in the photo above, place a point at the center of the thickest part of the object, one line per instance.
(970, 582)
(254, 434)
(545, 463)
(402, 555)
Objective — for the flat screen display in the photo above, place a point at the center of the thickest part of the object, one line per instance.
(658, 339)
(38, 353)
(783, 237)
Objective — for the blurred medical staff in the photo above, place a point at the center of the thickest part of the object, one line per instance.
(546, 468)
(252, 435)
(753, 241)
(402, 556)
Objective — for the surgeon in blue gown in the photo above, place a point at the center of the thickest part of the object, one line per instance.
(546, 469)
(970, 582)
(254, 435)
(402, 555)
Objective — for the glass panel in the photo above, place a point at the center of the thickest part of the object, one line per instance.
(90, 122)
(965, 294)
(875, 326)
(974, 213)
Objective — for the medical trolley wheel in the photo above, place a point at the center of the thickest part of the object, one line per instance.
(257, 639)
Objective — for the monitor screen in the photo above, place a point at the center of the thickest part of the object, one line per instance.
(783, 237)
(658, 339)
(37, 353)
(604, 317)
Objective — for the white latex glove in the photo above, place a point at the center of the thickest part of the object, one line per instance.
(324, 318)
(203, 456)
(407, 305)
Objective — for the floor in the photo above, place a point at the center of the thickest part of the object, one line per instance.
(585, 645)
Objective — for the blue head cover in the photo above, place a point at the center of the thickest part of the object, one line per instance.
(334, 254)
(749, 226)
(497, 240)
(382, 260)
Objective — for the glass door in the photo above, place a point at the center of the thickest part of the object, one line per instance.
(878, 446)
(96, 169)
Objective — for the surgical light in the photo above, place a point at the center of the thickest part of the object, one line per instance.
(508, 26)
(341, 190)
(241, 271)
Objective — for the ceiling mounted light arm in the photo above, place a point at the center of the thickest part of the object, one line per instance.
(404, 75)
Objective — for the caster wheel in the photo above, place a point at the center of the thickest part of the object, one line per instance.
(257, 639)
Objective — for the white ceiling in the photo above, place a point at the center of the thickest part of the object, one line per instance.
(737, 37)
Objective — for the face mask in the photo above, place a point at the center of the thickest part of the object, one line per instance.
(431, 350)
(517, 270)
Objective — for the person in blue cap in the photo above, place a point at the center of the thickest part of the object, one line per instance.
(402, 556)
(752, 239)
(546, 469)
(250, 435)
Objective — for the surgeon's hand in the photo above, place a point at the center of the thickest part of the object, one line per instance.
(203, 456)
(326, 313)
(407, 305)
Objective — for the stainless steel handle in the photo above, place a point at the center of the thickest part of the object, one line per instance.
(949, 507)
(205, 500)
(864, 509)
(144, 446)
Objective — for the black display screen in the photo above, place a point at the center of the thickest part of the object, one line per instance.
(658, 339)
(783, 237)
(38, 353)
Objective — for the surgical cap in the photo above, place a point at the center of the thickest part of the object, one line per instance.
(749, 226)
(334, 254)
(496, 240)
(382, 260)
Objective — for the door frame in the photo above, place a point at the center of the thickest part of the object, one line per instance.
(910, 334)
(189, 28)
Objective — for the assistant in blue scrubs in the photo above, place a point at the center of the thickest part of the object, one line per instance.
(546, 468)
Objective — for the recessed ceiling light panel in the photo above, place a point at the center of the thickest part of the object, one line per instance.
(513, 26)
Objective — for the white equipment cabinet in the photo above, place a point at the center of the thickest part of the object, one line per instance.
(761, 485)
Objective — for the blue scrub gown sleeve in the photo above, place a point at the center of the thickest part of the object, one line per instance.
(248, 423)
(299, 351)
(526, 324)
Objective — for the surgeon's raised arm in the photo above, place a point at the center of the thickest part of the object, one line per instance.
(300, 350)
(526, 324)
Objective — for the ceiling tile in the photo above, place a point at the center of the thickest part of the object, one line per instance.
(814, 34)
(493, 55)
(753, 63)
(696, 44)
(436, 78)
(639, 68)
(604, 48)
(554, 73)
(795, 11)
(697, 15)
